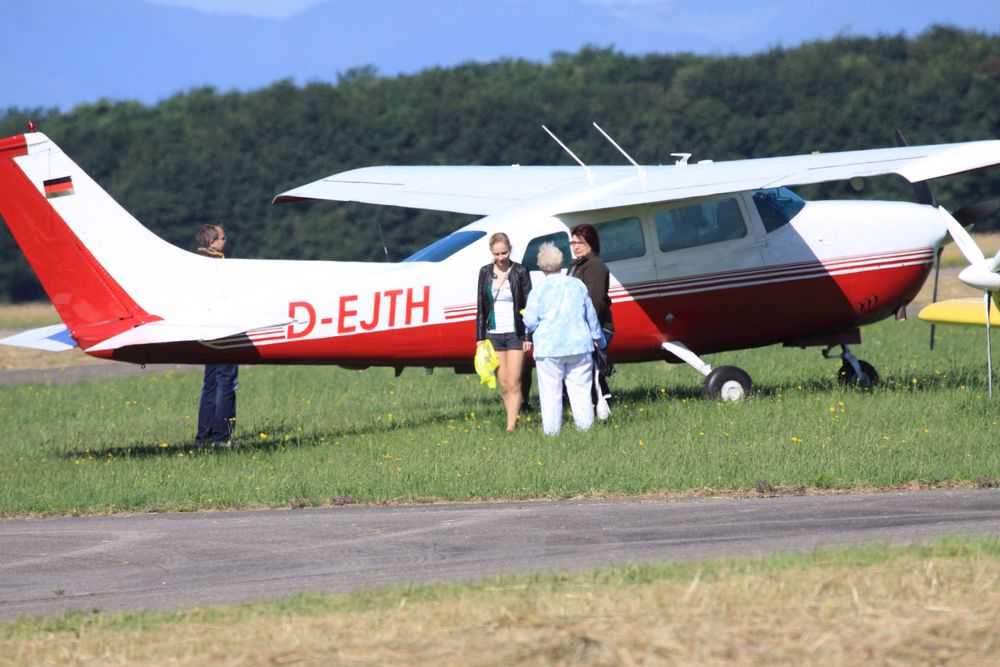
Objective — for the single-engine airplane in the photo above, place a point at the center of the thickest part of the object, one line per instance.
(704, 257)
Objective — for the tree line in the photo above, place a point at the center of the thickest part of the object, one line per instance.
(205, 156)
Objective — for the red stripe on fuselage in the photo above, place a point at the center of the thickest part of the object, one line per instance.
(726, 318)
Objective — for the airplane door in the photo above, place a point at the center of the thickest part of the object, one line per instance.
(709, 266)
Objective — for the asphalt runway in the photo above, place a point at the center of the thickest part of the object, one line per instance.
(173, 561)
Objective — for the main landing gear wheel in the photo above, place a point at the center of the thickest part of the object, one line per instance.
(727, 384)
(867, 378)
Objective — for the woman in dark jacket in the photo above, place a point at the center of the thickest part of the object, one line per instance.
(502, 295)
(588, 266)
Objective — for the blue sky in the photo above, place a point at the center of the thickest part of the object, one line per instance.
(60, 53)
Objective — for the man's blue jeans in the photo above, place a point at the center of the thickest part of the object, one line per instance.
(217, 411)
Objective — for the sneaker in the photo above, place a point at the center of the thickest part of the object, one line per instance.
(603, 410)
(225, 444)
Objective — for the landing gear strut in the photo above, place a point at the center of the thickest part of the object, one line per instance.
(854, 372)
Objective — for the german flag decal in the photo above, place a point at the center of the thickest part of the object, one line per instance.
(58, 187)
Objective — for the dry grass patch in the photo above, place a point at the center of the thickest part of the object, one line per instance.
(916, 605)
(27, 315)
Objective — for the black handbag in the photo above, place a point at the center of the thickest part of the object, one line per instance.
(602, 363)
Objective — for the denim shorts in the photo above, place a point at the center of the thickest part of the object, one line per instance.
(505, 341)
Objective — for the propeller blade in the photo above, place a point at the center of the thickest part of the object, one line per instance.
(962, 238)
(973, 213)
(989, 353)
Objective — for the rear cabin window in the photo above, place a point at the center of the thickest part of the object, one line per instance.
(561, 239)
(621, 239)
(701, 224)
(777, 207)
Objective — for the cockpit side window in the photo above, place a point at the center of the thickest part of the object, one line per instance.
(560, 239)
(777, 207)
(701, 224)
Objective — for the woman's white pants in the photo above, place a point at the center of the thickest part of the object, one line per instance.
(576, 371)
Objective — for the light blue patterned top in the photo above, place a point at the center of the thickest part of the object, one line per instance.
(562, 317)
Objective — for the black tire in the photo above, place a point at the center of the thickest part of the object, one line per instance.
(868, 378)
(727, 384)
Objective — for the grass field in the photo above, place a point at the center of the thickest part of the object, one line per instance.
(311, 434)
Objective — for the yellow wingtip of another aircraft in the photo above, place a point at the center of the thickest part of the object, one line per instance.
(960, 311)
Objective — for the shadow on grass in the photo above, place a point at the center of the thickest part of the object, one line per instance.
(275, 435)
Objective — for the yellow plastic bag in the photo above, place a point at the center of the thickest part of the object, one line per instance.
(486, 363)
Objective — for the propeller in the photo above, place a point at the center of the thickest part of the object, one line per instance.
(981, 274)
(957, 223)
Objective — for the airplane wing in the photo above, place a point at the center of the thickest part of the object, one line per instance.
(960, 311)
(474, 190)
(487, 190)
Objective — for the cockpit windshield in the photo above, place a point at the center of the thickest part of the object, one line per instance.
(777, 206)
(444, 248)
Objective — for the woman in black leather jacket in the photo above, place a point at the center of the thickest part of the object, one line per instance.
(502, 295)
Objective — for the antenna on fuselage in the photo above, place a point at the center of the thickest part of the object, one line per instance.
(642, 172)
(590, 174)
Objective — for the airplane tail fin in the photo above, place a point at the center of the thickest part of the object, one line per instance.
(57, 214)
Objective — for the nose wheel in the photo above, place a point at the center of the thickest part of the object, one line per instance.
(727, 384)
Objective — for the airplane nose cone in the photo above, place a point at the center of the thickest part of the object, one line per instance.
(979, 276)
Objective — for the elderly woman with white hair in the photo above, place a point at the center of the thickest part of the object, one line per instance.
(566, 329)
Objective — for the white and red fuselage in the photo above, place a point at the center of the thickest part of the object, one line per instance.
(125, 294)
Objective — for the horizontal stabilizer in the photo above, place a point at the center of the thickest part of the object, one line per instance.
(960, 311)
(172, 331)
(53, 338)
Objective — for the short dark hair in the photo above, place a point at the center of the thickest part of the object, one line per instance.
(206, 234)
(588, 234)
